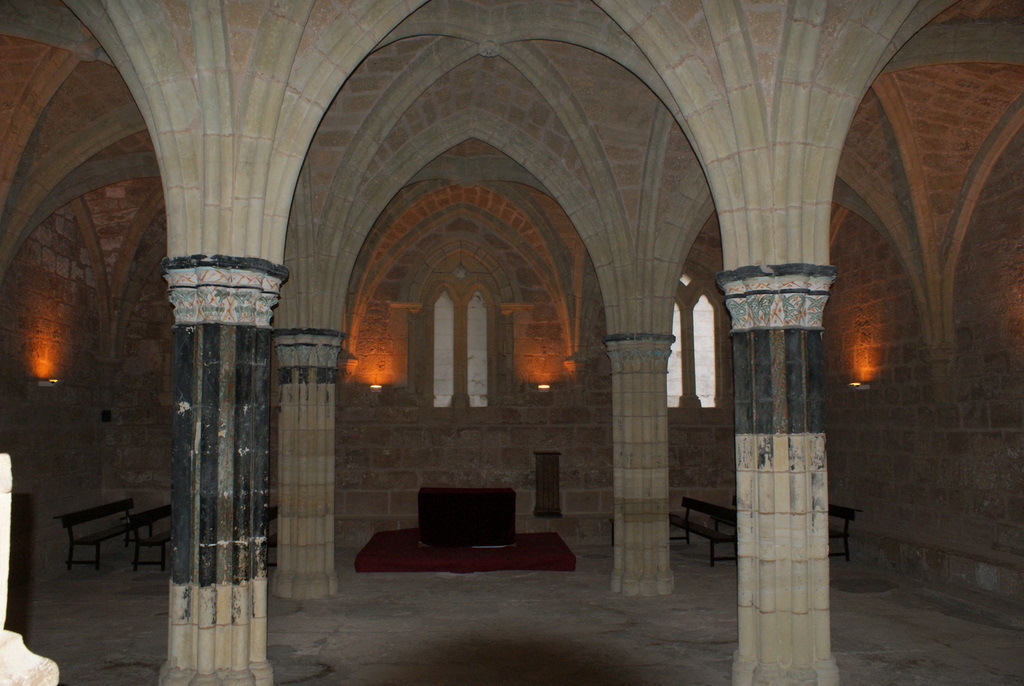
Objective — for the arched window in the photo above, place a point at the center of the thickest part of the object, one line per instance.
(692, 362)
(444, 350)
(675, 362)
(460, 350)
(705, 381)
(476, 351)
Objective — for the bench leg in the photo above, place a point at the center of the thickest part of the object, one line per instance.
(97, 556)
(711, 550)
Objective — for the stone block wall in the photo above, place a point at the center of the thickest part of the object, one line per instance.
(65, 456)
(389, 445)
(49, 330)
(702, 461)
(989, 364)
(932, 450)
(388, 448)
(138, 435)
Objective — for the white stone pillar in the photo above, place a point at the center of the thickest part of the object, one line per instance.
(18, 665)
(220, 447)
(781, 479)
(307, 371)
(640, 463)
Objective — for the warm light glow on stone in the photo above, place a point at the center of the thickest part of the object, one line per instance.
(43, 357)
(377, 370)
(865, 352)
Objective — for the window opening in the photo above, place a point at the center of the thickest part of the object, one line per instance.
(444, 350)
(675, 361)
(704, 351)
(476, 351)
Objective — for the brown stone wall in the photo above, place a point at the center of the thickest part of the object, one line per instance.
(389, 447)
(389, 444)
(65, 456)
(989, 366)
(138, 437)
(936, 469)
(48, 314)
(701, 453)
(880, 449)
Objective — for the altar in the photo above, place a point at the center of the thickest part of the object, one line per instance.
(467, 517)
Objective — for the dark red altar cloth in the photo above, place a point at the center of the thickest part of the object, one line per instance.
(467, 517)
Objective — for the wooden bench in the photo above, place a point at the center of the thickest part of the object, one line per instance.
(847, 515)
(147, 519)
(718, 515)
(119, 508)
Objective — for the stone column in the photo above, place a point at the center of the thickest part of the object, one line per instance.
(307, 371)
(781, 480)
(218, 588)
(18, 665)
(640, 462)
(689, 395)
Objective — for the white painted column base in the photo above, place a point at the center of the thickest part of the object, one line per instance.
(21, 667)
(217, 636)
(188, 677)
(642, 587)
(295, 585)
(642, 556)
(259, 675)
(749, 673)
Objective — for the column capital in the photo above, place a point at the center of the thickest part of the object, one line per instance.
(308, 348)
(665, 338)
(779, 296)
(634, 352)
(221, 289)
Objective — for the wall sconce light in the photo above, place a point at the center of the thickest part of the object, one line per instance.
(858, 386)
(543, 387)
(376, 388)
(48, 383)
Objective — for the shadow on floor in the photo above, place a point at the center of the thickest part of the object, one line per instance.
(490, 660)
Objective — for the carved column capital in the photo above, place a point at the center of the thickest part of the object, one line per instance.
(639, 352)
(780, 296)
(312, 348)
(219, 289)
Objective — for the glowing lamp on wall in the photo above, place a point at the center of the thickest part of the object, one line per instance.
(543, 387)
(376, 388)
(43, 356)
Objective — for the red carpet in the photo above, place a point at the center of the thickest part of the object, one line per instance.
(400, 551)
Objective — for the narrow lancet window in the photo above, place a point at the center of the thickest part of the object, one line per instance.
(444, 350)
(476, 351)
(675, 362)
(704, 351)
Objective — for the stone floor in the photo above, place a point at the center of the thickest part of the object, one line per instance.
(108, 628)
